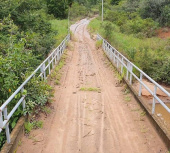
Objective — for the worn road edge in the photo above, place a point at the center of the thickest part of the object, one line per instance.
(16, 134)
(154, 121)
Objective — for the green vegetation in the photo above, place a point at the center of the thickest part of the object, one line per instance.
(127, 99)
(56, 74)
(99, 44)
(28, 32)
(90, 89)
(32, 125)
(130, 26)
(61, 26)
(150, 54)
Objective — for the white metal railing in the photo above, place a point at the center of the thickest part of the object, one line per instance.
(48, 63)
(121, 62)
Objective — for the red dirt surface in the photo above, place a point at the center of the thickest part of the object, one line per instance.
(104, 121)
(164, 33)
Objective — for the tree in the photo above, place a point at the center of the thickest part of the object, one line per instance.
(59, 8)
(115, 2)
(157, 10)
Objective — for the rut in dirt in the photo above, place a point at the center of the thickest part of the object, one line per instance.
(92, 114)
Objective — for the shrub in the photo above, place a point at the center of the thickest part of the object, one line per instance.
(99, 44)
(140, 27)
(107, 26)
(158, 10)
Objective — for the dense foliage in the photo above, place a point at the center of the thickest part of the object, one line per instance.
(27, 35)
(130, 26)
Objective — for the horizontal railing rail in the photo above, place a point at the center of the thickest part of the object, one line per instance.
(121, 62)
(48, 63)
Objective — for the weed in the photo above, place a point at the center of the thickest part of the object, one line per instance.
(57, 82)
(37, 124)
(144, 130)
(127, 98)
(143, 113)
(70, 46)
(28, 127)
(120, 77)
(136, 110)
(90, 89)
(19, 143)
(32, 125)
(127, 91)
(99, 44)
(46, 110)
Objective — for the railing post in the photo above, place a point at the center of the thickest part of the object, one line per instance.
(1, 120)
(114, 56)
(59, 53)
(105, 46)
(122, 65)
(52, 60)
(23, 102)
(7, 125)
(110, 52)
(131, 70)
(7, 133)
(55, 57)
(118, 61)
(5, 113)
(153, 104)
(49, 65)
(140, 86)
(43, 71)
(127, 74)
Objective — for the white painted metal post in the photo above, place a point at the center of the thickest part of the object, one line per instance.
(118, 61)
(1, 120)
(153, 104)
(55, 57)
(131, 69)
(49, 65)
(5, 113)
(23, 103)
(103, 45)
(122, 65)
(140, 86)
(58, 55)
(7, 133)
(44, 71)
(52, 60)
(114, 56)
(127, 74)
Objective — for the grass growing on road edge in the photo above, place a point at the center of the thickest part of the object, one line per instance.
(90, 89)
(61, 26)
(56, 74)
(32, 125)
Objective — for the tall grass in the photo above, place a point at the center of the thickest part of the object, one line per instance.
(61, 26)
(152, 55)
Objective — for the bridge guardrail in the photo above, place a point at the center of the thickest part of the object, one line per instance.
(46, 64)
(121, 62)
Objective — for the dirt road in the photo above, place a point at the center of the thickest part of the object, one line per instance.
(104, 120)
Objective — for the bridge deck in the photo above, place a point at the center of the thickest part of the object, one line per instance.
(102, 121)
